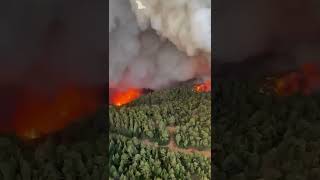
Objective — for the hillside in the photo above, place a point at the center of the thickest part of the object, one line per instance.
(164, 134)
(261, 136)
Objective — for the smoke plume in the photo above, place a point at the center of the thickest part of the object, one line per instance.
(154, 43)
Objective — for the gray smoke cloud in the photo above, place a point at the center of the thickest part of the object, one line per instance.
(154, 43)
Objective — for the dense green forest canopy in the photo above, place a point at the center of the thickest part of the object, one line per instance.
(151, 119)
(260, 136)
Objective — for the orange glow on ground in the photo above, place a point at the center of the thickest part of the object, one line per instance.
(38, 115)
(122, 97)
(203, 87)
(288, 84)
(305, 81)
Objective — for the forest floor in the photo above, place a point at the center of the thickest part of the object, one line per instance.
(173, 146)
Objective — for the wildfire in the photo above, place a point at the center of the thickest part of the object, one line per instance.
(121, 97)
(38, 115)
(305, 81)
(288, 84)
(203, 87)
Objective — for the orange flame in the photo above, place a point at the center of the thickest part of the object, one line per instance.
(305, 81)
(121, 97)
(288, 84)
(203, 87)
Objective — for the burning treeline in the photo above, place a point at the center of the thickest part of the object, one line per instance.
(30, 114)
(52, 68)
(154, 44)
(305, 81)
(120, 97)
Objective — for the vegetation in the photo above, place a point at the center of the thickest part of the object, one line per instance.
(129, 158)
(136, 121)
(149, 119)
(84, 160)
(67, 155)
(81, 151)
(266, 137)
(182, 108)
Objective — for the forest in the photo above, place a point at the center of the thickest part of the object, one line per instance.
(261, 135)
(162, 135)
(182, 108)
(131, 159)
(162, 130)
(67, 154)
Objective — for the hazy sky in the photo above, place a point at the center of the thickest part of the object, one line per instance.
(46, 43)
(58, 39)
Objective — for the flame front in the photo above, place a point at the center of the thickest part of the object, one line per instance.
(38, 115)
(305, 81)
(203, 87)
(122, 97)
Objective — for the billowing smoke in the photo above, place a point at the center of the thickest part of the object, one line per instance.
(154, 43)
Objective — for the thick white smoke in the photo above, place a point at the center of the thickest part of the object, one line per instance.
(153, 43)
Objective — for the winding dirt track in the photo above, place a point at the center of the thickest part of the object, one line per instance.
(173, 146)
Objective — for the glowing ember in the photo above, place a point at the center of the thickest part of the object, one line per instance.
(288, 84)
(120, 98)
(204, 87)
(31, 134)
